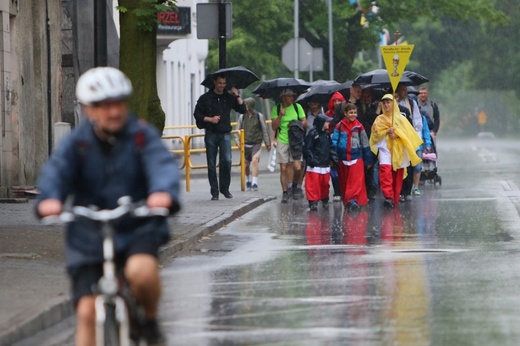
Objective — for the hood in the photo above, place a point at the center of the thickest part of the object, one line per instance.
(319, 121)
(336, 96)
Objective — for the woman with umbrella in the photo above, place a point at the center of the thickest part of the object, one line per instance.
(395, 142)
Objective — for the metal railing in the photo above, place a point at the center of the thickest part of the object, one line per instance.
(187, 151)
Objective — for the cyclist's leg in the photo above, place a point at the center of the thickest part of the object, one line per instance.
(86, 321)
(142, 274)
(84, 280)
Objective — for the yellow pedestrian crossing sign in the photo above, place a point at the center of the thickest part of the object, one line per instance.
(396, 58)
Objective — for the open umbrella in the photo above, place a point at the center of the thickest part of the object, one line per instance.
(238, 77)
(321, 93)
(380, 78)
(416, 78)
(270, 89)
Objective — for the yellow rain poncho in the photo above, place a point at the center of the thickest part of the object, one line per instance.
(407, 139)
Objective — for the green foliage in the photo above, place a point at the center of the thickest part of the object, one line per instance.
(146, 12)
(261, 28)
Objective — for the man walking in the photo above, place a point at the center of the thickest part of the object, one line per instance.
(255, 130)
(289, 160)
(431, 110)
(213, 110)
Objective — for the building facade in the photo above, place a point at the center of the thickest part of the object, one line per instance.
(30, 78)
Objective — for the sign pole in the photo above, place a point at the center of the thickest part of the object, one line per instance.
(221, 34)
(100, 33)
(296, 39)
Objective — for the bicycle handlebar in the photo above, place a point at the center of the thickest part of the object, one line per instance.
(106, 215)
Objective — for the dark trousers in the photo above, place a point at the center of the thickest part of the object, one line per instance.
(218, 143)
(408, 182)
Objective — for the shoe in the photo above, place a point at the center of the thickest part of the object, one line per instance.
(295, 194)
(299, 191)
(388, 204)
(313, 206)
(285, 197)
(325, 203)
(416, 192)
(248, 186)
(353, 206)
(214, 198)
(401, 198)
(408, 198)
(336, 199)
(152, 334)
(255, 187)
(227, 194)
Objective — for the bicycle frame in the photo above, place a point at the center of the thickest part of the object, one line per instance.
(109, 285)
(109, 289)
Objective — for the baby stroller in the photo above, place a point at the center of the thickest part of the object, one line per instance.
(429, 171)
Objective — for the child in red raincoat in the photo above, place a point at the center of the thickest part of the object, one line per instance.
(350, 142)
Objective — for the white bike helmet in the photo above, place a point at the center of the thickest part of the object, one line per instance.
(102, 84)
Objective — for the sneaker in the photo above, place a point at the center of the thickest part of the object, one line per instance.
(353, 206)
(295, 194)
(416, 192)
(336, 199)
(255, 187)
(325, 203)
(313, 206)
(299, 191)
(285, 197)
(248, 186)
(408, 198)
(214, 198)
(388, 204)
(401, 198)
(152, 334)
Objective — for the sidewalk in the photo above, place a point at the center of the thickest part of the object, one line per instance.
(34, 290)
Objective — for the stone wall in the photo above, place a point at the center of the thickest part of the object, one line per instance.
(25, 144)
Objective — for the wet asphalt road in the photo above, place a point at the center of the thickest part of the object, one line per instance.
(441, 270)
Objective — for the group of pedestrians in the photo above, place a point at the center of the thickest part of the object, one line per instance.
(360, 145)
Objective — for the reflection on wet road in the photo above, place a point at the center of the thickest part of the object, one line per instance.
(441, 270)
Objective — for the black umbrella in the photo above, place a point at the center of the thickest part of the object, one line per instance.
(270, 89)
(321, 93)
(416, 78)
(380, 78)
(238, 77)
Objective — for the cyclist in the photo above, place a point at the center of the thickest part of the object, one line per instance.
(111, 155)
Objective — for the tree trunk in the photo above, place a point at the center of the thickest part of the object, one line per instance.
(138, 60)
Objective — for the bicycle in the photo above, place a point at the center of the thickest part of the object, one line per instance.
(117, 313)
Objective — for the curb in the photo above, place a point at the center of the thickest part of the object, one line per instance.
(63, 309)
(193, 236)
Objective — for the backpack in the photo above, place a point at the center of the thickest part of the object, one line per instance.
(242, 123)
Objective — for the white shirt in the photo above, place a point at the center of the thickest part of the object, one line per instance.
(385, 157)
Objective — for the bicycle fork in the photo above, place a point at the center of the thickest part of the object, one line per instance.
(121, 322)
(109, 298)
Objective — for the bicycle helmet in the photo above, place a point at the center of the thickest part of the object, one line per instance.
(102, 84)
